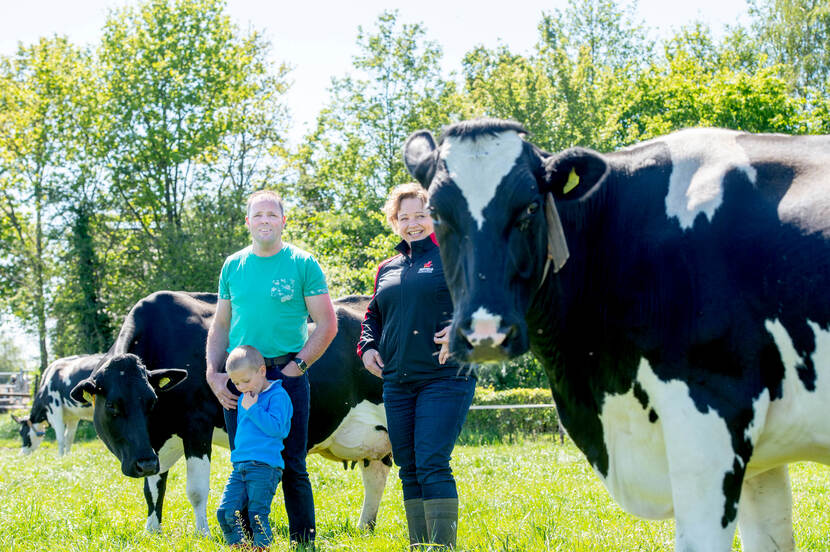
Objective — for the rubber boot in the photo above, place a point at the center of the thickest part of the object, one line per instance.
(442, 520)
(415, 521)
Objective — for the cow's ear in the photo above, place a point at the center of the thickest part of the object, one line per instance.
(418, 156)
(22, 420)
(167, 379)
(574, 173)
(84, 393)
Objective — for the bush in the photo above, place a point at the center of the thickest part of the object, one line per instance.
(509, 424)
(524, 371)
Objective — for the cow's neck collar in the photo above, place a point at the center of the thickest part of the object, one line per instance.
(418, 247)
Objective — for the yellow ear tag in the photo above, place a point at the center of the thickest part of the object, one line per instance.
(573, 182)
(163, 382)
(89, 397)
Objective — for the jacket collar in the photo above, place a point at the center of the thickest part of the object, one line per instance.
(419, 247)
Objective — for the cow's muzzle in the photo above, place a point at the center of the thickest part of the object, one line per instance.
(143, 467)
(487, 337)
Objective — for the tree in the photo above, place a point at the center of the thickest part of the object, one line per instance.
(35, 87)
(192, 112)
(699, 83)
(566, 92)
(796, 35)
(11, 356)
(352, 159)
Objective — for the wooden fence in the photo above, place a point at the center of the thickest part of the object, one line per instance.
(15, 391)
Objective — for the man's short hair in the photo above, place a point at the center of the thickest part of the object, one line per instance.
(244, 356)
(397, 195)
(263, 194)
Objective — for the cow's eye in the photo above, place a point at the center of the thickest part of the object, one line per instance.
(523, 222)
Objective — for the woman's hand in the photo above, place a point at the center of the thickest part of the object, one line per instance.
(373, 362)
(443, 338)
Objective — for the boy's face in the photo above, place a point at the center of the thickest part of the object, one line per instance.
(249, 380)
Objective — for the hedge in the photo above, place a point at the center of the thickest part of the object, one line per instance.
(509, 424)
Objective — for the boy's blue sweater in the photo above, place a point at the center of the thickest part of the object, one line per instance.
(261, 429)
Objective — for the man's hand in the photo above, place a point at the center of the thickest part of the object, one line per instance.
(290, 370)
(218, 383)
(249, 399)
(443, 339)
(373, 362)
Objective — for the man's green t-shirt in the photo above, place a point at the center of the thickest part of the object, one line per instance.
(267, 296)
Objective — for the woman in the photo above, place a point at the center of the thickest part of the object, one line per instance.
(426, 394)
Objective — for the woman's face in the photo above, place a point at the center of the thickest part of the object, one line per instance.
(414, 222)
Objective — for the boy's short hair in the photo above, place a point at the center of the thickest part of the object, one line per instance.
(244, 356)
(263, 194)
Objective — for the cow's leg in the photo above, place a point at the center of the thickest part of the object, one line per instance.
(197, 452)
(55, 418)
(765, 516)
(374, 475)
(704, 470)
(69, 433)
(198, 487)
(154, 487)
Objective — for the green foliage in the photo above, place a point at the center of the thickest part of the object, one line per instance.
(38, 87)
(11, 357)
(507, 425)
(194, 114)
(796, 34)
(353, 158)
(696, 85)
(566, 92)
(524, 371)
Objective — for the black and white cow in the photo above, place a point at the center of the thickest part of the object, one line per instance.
(678, 294)
(152, 404)
(54, 406)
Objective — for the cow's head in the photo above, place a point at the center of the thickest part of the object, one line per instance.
(493, 198)
(30, 434)
(123, 394)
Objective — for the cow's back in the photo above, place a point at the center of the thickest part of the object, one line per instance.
(338, 378)
(168, 329)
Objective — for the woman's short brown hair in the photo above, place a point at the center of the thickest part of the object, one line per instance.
(397, 195)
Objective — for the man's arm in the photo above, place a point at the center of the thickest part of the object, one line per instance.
(215, 354)
(322, 313)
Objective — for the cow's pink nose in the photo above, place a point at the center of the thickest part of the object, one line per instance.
(485, 329)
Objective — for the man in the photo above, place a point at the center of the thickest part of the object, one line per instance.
(266, 293)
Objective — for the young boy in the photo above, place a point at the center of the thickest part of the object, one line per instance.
(264, 418)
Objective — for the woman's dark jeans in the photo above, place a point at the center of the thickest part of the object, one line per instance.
(296, 487)
(424, 420)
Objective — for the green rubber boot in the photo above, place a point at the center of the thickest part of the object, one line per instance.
(415, 521)
(442, 520)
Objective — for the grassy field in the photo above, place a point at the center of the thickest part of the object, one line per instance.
(532, 495)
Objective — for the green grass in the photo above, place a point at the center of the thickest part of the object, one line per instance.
(528, 495)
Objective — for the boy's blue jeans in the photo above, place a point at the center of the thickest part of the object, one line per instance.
(251, 486)
(424, 420)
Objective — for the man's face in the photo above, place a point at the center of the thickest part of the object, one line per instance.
(265, 221)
